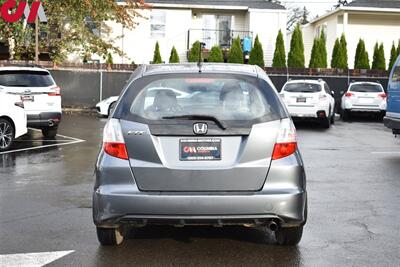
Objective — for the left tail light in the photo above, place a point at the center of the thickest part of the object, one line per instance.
(113, 140)
(56, 92)
(286, 143)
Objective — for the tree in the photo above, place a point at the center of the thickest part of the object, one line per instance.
(343, 57)
(236, 52)
(398, 49)
(361, 60)
(174, 57)
(393, 56)
(279, 60)
(110, 59)
(378, 62)
(296, 53)
(194, 52)
(73, 27)
(257, 54)
(297, 15)
(335, 54)
(216, 54)
(341, 3)
(323, 51)
(318, 53)
(157, 56)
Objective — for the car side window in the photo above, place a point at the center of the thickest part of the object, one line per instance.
(396, 74)
(327, 89)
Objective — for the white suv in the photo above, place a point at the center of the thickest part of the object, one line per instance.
(12, 120)
(39, 93)
(364, 97)
(310, 99)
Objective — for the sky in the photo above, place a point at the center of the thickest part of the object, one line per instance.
(316, 7)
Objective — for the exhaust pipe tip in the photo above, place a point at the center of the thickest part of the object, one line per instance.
(51, 123)
(273, 226)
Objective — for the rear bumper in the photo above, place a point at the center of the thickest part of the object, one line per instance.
(44, 119)
(307, 112)
(392, 123)
(283, 199)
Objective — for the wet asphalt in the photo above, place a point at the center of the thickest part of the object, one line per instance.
(354, 197)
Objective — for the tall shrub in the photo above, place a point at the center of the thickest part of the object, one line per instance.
(279, 60)
(343, 57)
(174, 57)
(216, 54)
(257, 54)
(195, 52)
(335, 54)
(296, 53)
(361, 60)
(318, 53)
(236, 52)
(110, 59)
(378, 62)
(393, 56)
(157, 56)
(398, 48)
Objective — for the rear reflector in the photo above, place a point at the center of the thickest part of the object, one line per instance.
(113, 140)
(286, 143)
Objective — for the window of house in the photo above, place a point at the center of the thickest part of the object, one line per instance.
(320, 29)
(157, 24)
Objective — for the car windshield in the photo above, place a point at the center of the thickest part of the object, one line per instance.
(25, 79)
(302, 88)
(366, 88)
(221, 98)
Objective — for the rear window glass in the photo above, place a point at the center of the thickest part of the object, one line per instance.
(302, 88)
(396, 74)
(366, 88)
(225, 97)
(25, 79)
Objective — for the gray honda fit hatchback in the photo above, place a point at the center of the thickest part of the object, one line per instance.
(204, 144)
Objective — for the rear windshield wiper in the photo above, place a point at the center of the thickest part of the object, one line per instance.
(219, 123)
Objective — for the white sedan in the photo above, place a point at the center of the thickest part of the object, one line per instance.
(105, 106)
(364, 97)
(13, 122)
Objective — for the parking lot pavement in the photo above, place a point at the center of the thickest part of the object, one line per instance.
(354, 193)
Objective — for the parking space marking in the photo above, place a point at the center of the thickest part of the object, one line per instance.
(32, 259)
(72, 141)
(386, 152)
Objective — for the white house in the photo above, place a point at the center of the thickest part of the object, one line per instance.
(180, 23)
(372, 20)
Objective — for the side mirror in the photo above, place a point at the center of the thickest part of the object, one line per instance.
(341, 92)
(333, 92)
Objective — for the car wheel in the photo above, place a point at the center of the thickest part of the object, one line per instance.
(333, 117)
(289, 236)
(50, 132)
(109, 236)
(7, 133)
(345, 115)
(110, 108)
(326, 122)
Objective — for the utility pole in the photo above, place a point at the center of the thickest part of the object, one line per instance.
(37, 41)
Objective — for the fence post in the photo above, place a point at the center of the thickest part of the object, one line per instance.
(101, 85)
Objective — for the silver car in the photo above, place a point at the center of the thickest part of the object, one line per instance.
(225, 154)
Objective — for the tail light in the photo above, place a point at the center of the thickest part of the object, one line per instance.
(57, 91)
(383, 95)
(113, 140)
(286, 143)
(348, 94)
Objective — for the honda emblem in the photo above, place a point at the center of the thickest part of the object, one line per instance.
(200, 128)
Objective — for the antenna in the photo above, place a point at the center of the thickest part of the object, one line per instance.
(200, 62)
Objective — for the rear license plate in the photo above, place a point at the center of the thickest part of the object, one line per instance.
(200, 149)
(301, 100)
(366, 100)
(27, 98)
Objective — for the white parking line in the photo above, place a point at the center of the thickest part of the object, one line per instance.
(32, 259)
(386, 152)
(58, 143)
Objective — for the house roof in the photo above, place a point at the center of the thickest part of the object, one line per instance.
(375, 3)
(259, 4)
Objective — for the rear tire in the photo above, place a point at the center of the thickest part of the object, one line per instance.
(7, 134)
(333, 118)
(289, 236)
(50, 132)
(326, 122)
(345, 115)
(109, 236)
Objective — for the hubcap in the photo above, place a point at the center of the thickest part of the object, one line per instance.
(6, 134)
